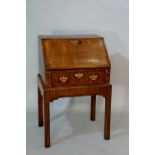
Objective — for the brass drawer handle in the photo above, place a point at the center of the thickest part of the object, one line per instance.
(75, 42)
(93, 77)
(78, 75)
(63, 79)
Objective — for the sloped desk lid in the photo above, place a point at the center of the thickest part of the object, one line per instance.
(74, 53)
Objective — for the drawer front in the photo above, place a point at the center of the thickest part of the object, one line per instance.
(77, 77)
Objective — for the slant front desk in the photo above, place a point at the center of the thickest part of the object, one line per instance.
(73, 66)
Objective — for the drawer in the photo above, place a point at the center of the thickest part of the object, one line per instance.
(77, 77)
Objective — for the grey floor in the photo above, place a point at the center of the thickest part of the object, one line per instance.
(72, 132)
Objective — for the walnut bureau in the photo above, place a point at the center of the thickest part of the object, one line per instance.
(73, 66)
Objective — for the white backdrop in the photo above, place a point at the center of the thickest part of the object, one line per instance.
(108, 18)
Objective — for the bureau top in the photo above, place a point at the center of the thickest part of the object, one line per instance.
(74, 53)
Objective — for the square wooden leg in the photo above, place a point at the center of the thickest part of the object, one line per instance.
(47, 120)
(40, 109)
(93, 108)
(107, 114)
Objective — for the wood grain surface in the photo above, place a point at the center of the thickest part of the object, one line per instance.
(74, 53)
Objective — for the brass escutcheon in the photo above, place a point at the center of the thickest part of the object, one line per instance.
(63, 79)
(78, 75)
(75, 42)
(93, 77)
